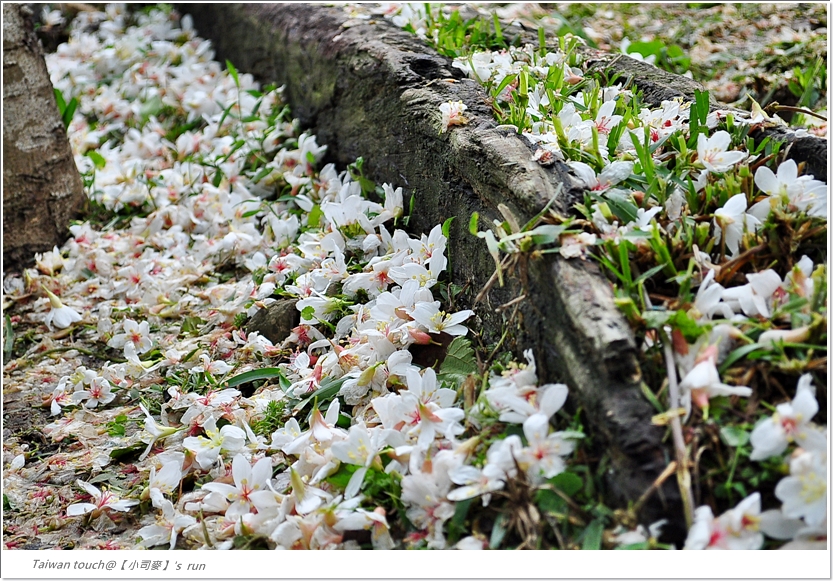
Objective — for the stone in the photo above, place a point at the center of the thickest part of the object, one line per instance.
(276, 321)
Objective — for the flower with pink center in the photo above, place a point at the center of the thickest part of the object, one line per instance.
(136, 333)
(736, 529)
(703, 383)
(251, 487)
(104, 501)
(605, 119)
(452, 112)
(99, 393)
(790, 423)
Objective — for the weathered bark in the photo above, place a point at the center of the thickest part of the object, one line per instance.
(42, 189)
(373, 90)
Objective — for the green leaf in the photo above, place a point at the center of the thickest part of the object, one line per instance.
(459, 361)
(191, 325)
(255, 375)
(315, 215)
(507, 80)
(646, 48)
(648, 274)
(66, 117)
(308, 313)
(456, 526)
(327, 391)
(151, 107)
(97, 158)
(593, 536)
(59, 98)
(124, 453)
(549, 502)
(567, 482)
(620, 206)
(473, 223)
(737, 355)
(341, 477)
(498, 532)
(733, 436)
(233, 72)
(447, 226)
(264, 171)
(649, 395)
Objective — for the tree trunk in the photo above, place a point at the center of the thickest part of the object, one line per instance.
(42, 190)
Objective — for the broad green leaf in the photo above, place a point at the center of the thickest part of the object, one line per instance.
(97, 158)
(549, 502)
(341, 477)
(646, 48)
(459, 361)
(315, 215)
(593, 536)
(456, 525)
(567, 482)
(151, 107)
(734, 436)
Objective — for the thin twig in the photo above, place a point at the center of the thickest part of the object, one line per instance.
(776, 107)
(729, 268)
(683, 475)
(510, 303)
(80, 350)
(669, 470)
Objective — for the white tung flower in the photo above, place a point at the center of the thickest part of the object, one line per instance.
(103, 501)
(452, 114)
(168, 524)
(59, 314)
(732, 220)
(804, 491)
(789, 423)
(251, 487)
(736, 529)
(712, 152)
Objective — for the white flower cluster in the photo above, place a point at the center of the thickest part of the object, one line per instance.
(581, 122)
(364, 291)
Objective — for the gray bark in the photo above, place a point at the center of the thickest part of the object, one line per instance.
(42, 190)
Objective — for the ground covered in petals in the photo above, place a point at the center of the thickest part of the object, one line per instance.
(141, 410)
